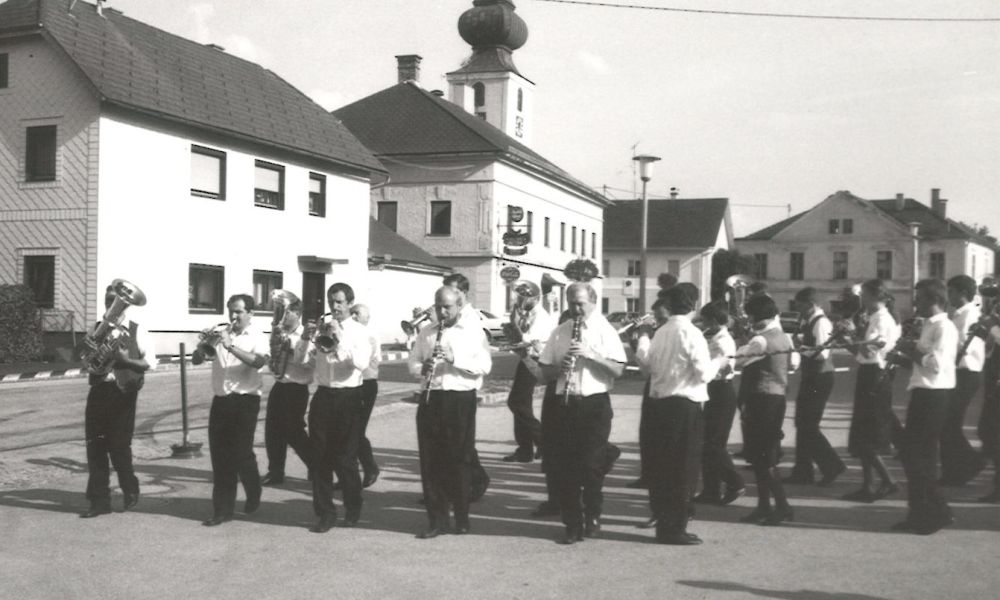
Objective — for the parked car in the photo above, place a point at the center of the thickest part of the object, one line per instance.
(492, 326)
(790, 321)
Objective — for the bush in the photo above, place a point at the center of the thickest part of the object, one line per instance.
(20, 325)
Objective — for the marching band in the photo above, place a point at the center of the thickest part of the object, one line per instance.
(689, 356)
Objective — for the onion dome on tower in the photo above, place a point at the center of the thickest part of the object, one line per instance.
(494, 31)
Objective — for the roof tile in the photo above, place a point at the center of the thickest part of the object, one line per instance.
(674, 223)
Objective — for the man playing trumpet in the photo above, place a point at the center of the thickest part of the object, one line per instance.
(530, 327)
(240, 352)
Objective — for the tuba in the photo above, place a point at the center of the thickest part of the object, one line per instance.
(99, 348)
(413, 325)
(281, 342)
(741, 326)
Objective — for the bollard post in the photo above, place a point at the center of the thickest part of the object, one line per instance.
(185, 449)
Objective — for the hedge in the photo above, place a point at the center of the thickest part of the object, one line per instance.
(20, 325)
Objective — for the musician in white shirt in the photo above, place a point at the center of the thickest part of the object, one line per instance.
(335, 412)
(872, 418)
(452, 368)
(679, 366)
(369, 388)
(584, 370)
(240, 354)
(931, 385)
(960, 462)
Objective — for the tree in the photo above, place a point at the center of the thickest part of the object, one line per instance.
(726, 263)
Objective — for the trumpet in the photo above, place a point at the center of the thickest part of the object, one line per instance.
(410, 327)
(321, 334)
(646, 319)
(209, 338)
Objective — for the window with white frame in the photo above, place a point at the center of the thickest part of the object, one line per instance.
(883, 264)
(937, 265)
(40, 153)
(633, 268)
(208, 172)
(269, 185)
(205, 288)
(440, 217)
(265, 282)
(840, 264)
(317, 195)
(40, 277)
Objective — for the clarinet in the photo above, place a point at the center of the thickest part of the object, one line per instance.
(425, 394)
(568, 371)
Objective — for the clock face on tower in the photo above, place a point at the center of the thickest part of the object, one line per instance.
(519, 126)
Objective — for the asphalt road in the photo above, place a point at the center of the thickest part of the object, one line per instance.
(835, 550)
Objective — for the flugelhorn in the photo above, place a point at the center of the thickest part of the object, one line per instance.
(646, 319)
(322, 334)
(99, 348)
(209, 338)
(410, 327)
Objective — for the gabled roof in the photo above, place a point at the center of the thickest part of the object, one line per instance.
(383, 242)
(674, 223)
(142, 68)
(772, 230)
(932, 225)
(406, 120)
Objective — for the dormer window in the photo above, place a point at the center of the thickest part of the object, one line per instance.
(479, 94)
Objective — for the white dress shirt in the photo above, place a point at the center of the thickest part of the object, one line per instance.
(600, 338)
(722, 347)
(975, 355)
(371, 372)
(939, 345)
(467, 343)
(821, 330)
(881, 326)
(231, 375)
(299, 368)
(343, 367)
(754, 350)
(539, 332)
(677, 360)
(144, 343)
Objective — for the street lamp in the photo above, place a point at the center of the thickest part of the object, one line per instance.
(645, 173)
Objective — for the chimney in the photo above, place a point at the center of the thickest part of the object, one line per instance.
(216, 47)
(408, 67)
(438, 93)
(100, 7)
(674, 192)
(900, 202)
(938, 204)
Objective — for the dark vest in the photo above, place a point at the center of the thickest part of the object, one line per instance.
(816, 364)
(769, 375)
(127, 380)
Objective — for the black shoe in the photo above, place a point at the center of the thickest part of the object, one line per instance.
(592, 528)
(461, 525)
(863, 495)
(650, 523)
(904, 525)
(885, 489)
(933, 525)
(252, 503)
(829, 478)
(130, 501)
(273, 479)
(638, 484)
(370, 478)
(779, 516)
(796, 479)
(612, 453)
(351, 518)
(757, 516)
(95, 510)
(519, 456)
(706, 498)
(546, 509)
(430, 533)
(991, 498)
(324, 524)
(217, 520)
(732, 494)
(572, 536)
(678, 539)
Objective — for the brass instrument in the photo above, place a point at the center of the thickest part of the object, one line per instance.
(568, 371)
(322, 334)
(436, 355)
(911, 330)
(741, 328)
(989, 317)
(646, 319)
(209, 338)
(99, 348)
(281, 342)
(413, 325)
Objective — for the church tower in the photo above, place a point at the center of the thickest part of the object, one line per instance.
(488, 84)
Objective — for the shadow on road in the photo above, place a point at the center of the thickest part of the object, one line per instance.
(781, 594)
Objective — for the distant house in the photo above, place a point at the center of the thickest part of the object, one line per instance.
(462, 177)
(682, 236)
(129, 152)
(845, 240)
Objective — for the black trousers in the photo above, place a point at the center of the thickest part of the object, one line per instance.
(811, 446)
(109, 422)
(232, 421)
(959, 460)
(285, 425)
(446, 437)
(925, 419)
(579, 449)
(548, 423)
(335, 431)
(369, 393)
(989, 419)
(527, 429)
(716, 463)
(673, 456)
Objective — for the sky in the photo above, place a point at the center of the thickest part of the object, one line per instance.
(770, 113)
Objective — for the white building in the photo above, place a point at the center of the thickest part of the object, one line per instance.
(128, 152)
(845, 240)
(457, 167)
(682, 237)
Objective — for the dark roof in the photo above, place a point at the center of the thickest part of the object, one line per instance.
(772, 230)
(674, 223)
(383, 241)
(490, 60)
(932, 225)
(407, 120)
(142, 68)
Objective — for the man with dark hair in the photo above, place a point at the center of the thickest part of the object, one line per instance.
(109, 418)
(814, 391)
(679, 366)
(240, 353)
(335, 413)
(931, 385)
(284, 420)
(757, 288)
(960, 462)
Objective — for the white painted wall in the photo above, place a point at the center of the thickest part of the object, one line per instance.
(391, 296)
